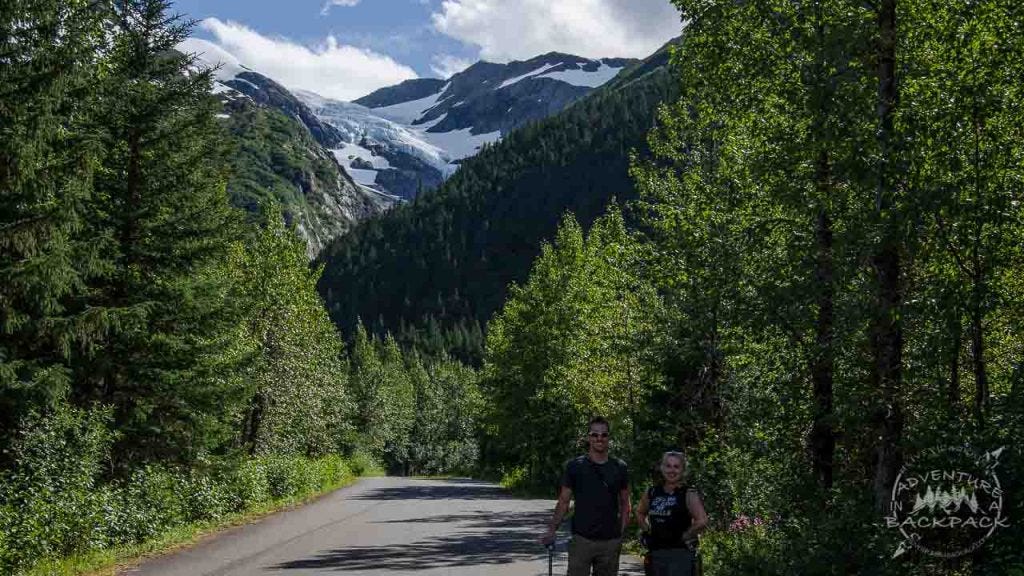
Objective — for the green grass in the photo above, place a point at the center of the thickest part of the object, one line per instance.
(108, 561)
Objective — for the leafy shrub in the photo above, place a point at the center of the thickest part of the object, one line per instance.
(749, 550)
(50, 502)
(248, 485)
(330, 471)
(515, 479)
(363, 464)
(206, 498)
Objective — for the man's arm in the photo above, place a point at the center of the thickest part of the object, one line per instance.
(561, 509)
(624, 507)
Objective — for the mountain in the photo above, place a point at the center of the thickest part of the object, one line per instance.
(265, 92)
(489, 97)
(433, 271)
(388, 156)
(276, 158)
(408, 138)
(280, 151)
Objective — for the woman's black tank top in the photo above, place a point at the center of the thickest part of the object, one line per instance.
(668, 516)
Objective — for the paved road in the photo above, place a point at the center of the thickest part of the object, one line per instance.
(384, 526)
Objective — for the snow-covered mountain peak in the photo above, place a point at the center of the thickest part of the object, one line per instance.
(488, 97)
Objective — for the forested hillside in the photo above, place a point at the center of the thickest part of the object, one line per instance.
(276, 160)
(434, 271)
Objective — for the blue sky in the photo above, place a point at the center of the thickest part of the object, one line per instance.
(397, 28)
(347, 48)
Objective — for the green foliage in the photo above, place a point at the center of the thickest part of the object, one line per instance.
(295, 377)
(415, 418)
(778, 191)
(56, 501)
(159, 218)
(52, 502)
(48, 155)
(574, 341)
(448, 412)
(363, 464)
(149, 340)
(754, 551)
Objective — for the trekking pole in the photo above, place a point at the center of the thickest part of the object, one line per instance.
(551, 558)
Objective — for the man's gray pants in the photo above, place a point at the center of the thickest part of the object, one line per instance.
(603, 555)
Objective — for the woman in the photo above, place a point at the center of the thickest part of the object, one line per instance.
(672, 514)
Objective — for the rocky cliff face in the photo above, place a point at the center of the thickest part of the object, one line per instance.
(277, 157)
(266, 92)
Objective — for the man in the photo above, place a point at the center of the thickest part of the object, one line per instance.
(600, 486)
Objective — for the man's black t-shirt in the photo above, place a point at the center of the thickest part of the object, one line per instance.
(596, 489)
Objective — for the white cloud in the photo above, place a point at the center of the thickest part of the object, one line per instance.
(331, 3)
(519, 29)
(331, 69)
(446, 65)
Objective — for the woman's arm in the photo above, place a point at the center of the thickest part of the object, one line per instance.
(699, 518)
(641, 513)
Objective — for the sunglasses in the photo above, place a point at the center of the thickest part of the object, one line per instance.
(598, 434)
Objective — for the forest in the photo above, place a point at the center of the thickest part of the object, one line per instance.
(816, 287)
(165, 359)
(823, 285)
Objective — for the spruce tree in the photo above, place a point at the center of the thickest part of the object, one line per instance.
(164, 225)
(47, 60)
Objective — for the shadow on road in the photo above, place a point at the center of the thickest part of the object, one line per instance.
(477, 548)
(451, 491)
(482, 519)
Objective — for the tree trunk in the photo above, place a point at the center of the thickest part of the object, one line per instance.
(252, 423)
(953, 392)
(978, 361)
(886, 332)
(822, 439)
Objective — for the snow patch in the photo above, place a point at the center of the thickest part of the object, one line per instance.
(356, 151)
(579, 77)
(409, 112)
(364, 177)
(536, 72)
(460, 144)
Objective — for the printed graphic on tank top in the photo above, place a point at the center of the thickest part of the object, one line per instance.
(668, 516)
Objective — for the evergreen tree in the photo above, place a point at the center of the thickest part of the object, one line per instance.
(47, 158)
(162, 222)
